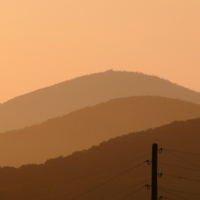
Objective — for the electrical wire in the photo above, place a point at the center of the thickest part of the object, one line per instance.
(124, 189)
(95, 173)
(180, 191)
(166, 198)
(133, 193)
(73, 190)
(102, 183)
(86, 176)
(178, 166)
(196, 154)
(181, 177)
(93, 187)
(183, 159)
(173, 194)
(91, 175)
(107, 181)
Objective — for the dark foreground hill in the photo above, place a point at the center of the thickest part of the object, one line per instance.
(115, 169)
(89, 126)
(63, 98)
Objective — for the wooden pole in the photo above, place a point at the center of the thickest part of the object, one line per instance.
(154, 172)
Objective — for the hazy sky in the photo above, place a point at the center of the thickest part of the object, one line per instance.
(43, 42)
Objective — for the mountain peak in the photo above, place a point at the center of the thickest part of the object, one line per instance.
(71, 95)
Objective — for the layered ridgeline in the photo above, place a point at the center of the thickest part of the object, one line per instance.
(63, 98)
(115, 169)
(89, 126)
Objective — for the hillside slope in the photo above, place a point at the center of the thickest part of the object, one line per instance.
(89, 126)
(63, 98)
(103, 171)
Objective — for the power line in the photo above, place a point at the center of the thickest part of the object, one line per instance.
(38, 198)
(183, 159)
(166, 198)
(93, 187)
(133, 192)
(173, 194)
(180, 191)
(99, 172)
(86, 176)
(178, 166)
(107, 181)
(55, 195)
(124, 189)
(181, 177)
(196, 154)
(116, 176)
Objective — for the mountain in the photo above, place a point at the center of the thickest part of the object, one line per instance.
(116, 165)
(61, 99)
(89, 126)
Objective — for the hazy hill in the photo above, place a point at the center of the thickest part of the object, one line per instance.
(66, 178)
(89, 126)
(63, 98)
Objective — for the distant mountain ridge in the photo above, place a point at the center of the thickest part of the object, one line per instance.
(65, 178)
(58, 100)
(90, 126)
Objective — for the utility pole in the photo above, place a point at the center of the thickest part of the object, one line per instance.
(154, 172)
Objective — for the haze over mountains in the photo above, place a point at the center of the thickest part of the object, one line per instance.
(67, 178)
(89, 126)
(63, 98)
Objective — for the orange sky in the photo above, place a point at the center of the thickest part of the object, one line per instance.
(43, 42)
